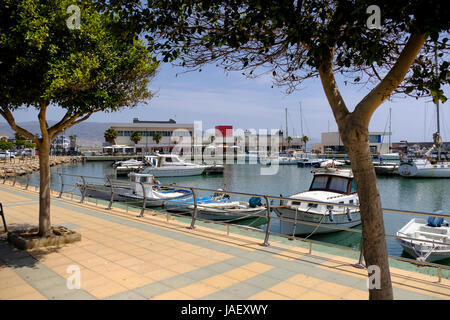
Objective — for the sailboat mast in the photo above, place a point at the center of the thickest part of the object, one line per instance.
(437, 109)
(287, 130)
(390, 128)
(301, 121)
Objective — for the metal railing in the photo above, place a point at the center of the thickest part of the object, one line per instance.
(86, 183)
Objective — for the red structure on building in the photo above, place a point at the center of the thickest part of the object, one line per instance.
(224, 131)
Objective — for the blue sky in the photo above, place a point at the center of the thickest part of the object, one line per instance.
(219, 98)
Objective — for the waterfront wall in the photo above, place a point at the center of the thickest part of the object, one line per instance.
(20, 166)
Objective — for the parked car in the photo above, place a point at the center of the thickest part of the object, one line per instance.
(7, 155)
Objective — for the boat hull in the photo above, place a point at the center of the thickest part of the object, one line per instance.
(103, 192)
(225, 216)
(417, 250)
(214, 214)
(150, 202)
(299, 228)
(175, 172)
(426, 170)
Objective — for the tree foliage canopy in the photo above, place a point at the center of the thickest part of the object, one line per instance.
(290, 38)
(44, 62)
(135, 136)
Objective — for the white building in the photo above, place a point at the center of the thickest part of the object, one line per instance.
(332, 142)
(171, 134)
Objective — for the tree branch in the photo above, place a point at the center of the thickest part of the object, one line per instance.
(331, 89)
(69, 123)
(367, 106)
(6, 113)
(57, 126)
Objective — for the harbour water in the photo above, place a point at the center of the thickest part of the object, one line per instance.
(427, 195)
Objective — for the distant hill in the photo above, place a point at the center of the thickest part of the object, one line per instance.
(89, 134)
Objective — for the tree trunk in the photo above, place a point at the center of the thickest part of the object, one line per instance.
(356, 141)
(44, 188)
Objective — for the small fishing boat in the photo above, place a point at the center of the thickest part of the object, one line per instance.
(218, 208)
(309, 162)
(103, 191)
(435, 229)
(154, 194)
(332, 163)
(125, 167)
(130, 163)
(169, 165)
(303, 215)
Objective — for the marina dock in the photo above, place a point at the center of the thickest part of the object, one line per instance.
(121, 256)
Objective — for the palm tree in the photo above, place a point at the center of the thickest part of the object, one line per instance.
(212, 138)
(111, 135)
(157, 137)
(305, 140)
(289, 140)
(135, 136)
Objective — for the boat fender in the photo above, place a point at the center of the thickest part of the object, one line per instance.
(349, 215)
(330, 214)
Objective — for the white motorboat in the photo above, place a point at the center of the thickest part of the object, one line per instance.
(436, 230)
(130, 163)
(125, 167)
(311, 160)
(424, 168)
(428, 167)
(331, 163)
(154, 194)
(103, 191)
(168, 165)
(218, 208)
(302, 215)
(282, 160)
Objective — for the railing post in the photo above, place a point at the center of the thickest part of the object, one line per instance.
(439, 274)
(6, 174)
(266, 238)
(15, 177)
(83, 193)
(144, 203)
(112, 194)
(360, 264)
(194, 214)
(62, 185)
(28, 180)
(295, 225)
(3, 217)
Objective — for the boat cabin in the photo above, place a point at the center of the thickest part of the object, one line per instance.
(339, 181)
(144, 178)
(162, 160)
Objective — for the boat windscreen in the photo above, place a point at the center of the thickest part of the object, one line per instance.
(319, 183)
(338, 184)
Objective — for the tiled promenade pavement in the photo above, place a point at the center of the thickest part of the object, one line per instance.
(125, 257)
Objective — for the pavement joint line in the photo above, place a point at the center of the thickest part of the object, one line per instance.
(37, 275)
(277, 262)
(183, 279)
